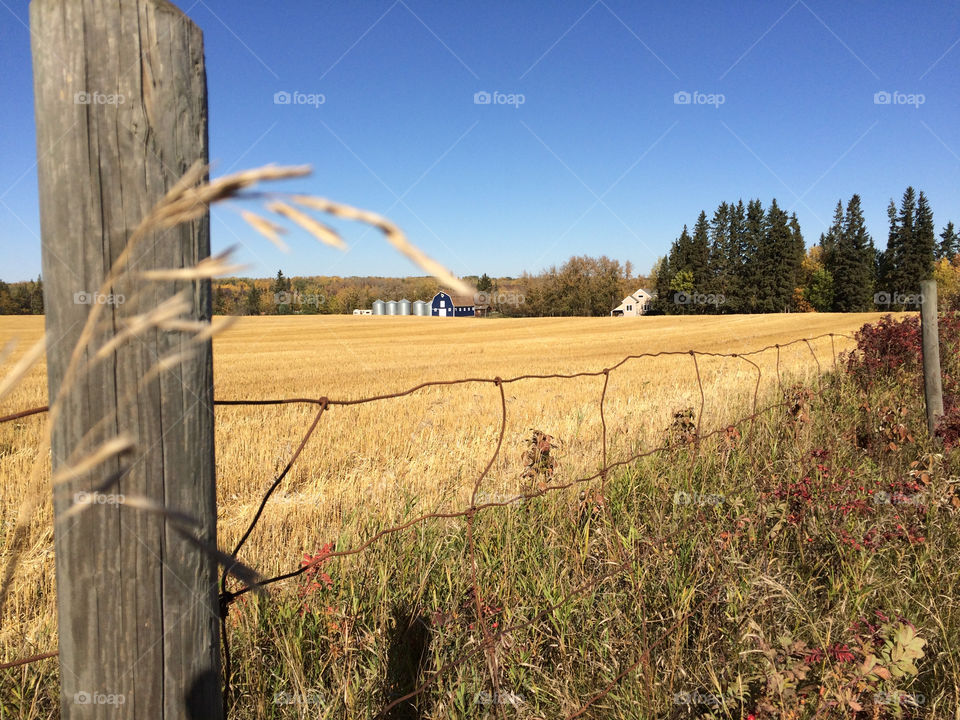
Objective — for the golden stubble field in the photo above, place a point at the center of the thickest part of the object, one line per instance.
(392, 459)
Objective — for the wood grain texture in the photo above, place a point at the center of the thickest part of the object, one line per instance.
(930, 348)
(121, 112)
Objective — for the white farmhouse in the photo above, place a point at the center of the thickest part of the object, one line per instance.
(633, 305)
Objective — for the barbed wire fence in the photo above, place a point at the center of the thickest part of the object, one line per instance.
(626, 558)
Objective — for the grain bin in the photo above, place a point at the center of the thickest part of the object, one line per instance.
(378, 307)
(391, 307)
(403, 307)
(421, 308)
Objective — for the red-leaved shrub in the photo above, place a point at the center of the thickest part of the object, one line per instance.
(891, 349)
(885, 349)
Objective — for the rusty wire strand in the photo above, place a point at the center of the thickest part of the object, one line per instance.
(490, 640)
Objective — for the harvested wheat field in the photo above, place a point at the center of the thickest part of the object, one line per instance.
(396, 458)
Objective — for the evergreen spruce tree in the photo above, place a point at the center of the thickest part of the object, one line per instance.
(736, 257)
(830, 239)
(781, 262)
(852, 266)
(662, 289)
(721, 261)
(949, 243)
(677, 261)
(924, 242)
(281, 300)
(753, 269)
(903, 270)
(798, 251)
(684, 250)
(484, 283)
(884, 274)
(699, 263)
(282, 283)
(36, 297)
(252, 305)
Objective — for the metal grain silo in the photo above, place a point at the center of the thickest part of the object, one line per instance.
(378, 307)
(421, 308)
(391, 307)
(403, 307)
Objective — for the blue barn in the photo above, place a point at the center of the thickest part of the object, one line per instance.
(444, 306)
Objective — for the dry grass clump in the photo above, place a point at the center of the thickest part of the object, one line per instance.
(105, 331)
(374, 464)
(388, 459)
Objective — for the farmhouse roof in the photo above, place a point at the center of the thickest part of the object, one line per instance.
(463, 300)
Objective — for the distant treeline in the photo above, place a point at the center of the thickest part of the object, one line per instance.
(744, 259)
(747, 259)
(581, 286)
(21, 298)
(313, 295)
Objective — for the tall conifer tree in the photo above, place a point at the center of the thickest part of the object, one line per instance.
(949, 243)
(852, 267)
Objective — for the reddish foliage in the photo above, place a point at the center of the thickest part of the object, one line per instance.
(892, 348)
(314, 578)
(948, 429)
(834, 497)
(884, 349)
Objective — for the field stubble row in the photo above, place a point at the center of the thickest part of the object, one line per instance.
(420, 453)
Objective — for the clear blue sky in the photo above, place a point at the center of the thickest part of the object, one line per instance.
(599, 159)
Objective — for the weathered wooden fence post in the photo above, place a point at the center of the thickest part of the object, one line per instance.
(121, 113)
(932, 382)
